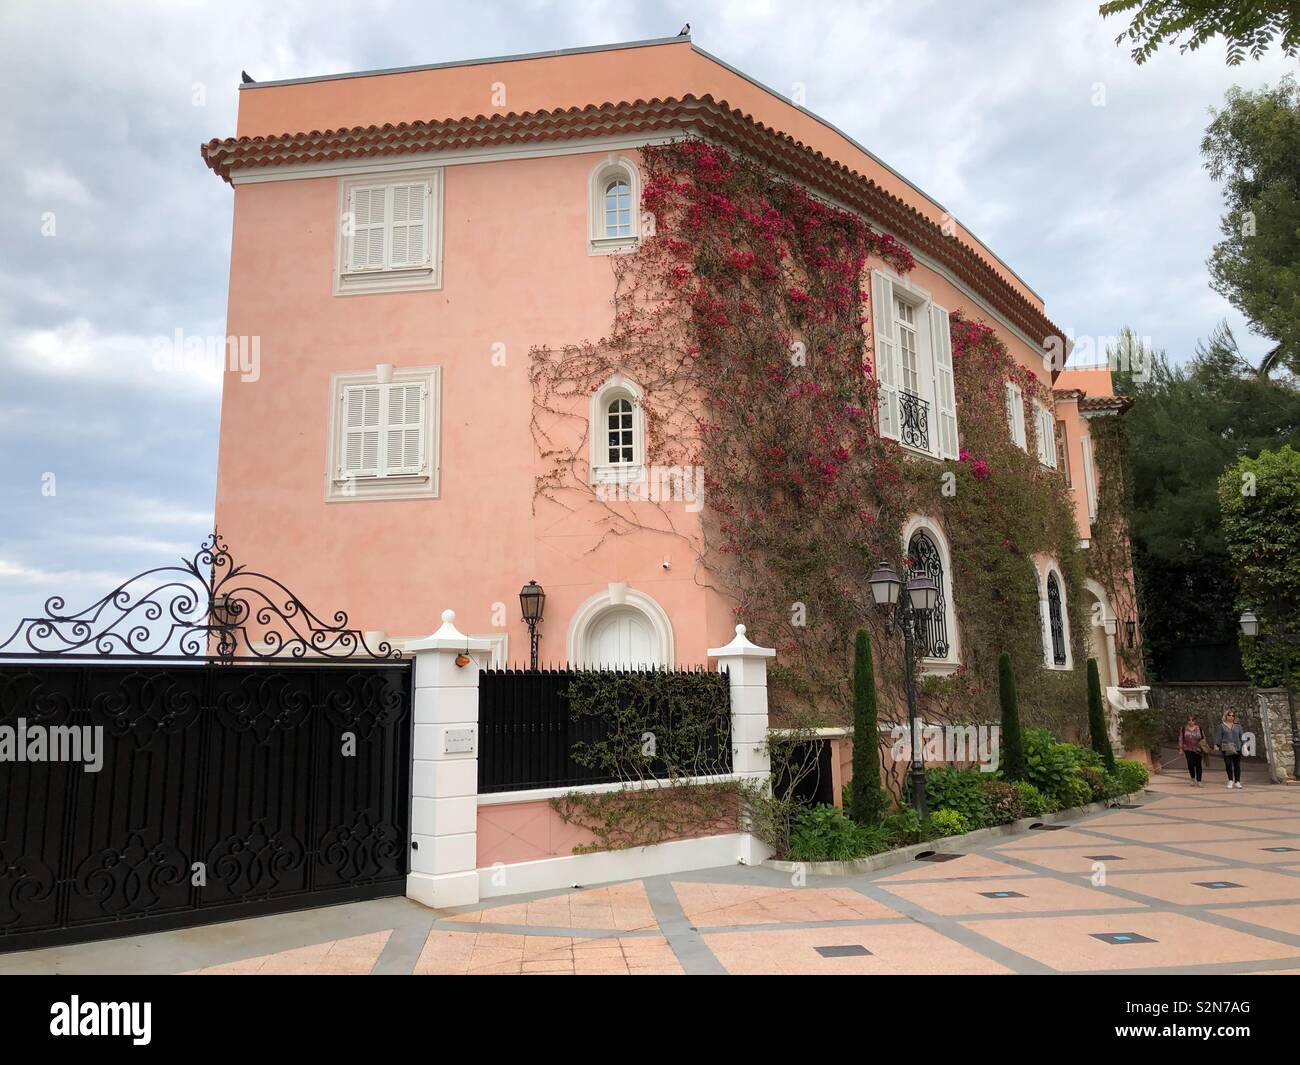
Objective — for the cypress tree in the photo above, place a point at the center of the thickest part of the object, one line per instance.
(1013, 748)
(1097, 718)
(868, 801)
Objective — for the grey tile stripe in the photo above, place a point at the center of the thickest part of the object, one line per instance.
(691, 950)
(403, 948)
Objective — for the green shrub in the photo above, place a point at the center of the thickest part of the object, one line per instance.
(1142, 729)
(1133, 776)
(902, 826)
(1114, 785)
(1082, 757)
(946, 823)
(823, 834)
(1004, 800)
(1077, 792)
(1032, 801)
(1049, 765)
(1096, 780)
(950, 788)
(848, 796)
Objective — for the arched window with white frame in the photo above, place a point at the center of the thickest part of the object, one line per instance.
(617, 432)
(928, 555)
(1055, 618)
(615, 195)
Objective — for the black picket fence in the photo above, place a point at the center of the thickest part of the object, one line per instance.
(531, 737)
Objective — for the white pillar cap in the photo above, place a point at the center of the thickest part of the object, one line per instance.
(448, 638)
(740, 647)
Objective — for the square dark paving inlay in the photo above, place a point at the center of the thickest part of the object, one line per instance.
(1047, 828)
(847, 950)
(1104, 857)
(938, 857)
(1278, 850)
(1117, 938)
(1129, 806)
(1002, 894)
(1215, 885)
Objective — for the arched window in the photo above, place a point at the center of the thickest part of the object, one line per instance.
(925, 560)
(620, 433)
(618, 208)
(615, 195)
(1055, 622)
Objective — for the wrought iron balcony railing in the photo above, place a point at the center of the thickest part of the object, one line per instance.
(915, 420)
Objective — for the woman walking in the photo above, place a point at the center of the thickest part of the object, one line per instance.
(1228, 741)
(1190, 742)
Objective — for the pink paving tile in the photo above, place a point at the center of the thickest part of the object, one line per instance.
(719, 905)
(617, 907)
(1041, 894)
(1184, 832)
(1279, 918)
(968, 866)
(1067, 944)
(1257, 885)
(1077, 860)
(355, 956)
(473, 953)
(1066, 837)
(895, 949)
(1252, 850)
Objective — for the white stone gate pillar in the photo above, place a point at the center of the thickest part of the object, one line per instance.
(746, 664)
(444, 770)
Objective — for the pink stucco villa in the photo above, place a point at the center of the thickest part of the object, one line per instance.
(403, 239)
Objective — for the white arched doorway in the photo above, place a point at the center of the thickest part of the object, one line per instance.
(1100, 642)
(621, 637)
(620, 628)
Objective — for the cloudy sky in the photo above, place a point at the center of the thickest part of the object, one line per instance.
(114, 233)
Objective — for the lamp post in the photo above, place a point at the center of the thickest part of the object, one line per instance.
(907, 613)
(1283, 637)
(532, 601)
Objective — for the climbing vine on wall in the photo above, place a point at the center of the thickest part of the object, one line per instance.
(1110, 560)
(742, 320)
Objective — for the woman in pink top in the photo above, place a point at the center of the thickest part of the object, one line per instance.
(1190, 743)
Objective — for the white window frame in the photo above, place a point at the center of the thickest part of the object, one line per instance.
(602, 470)
(1016, 416)
(421, 483)
(609, 168)
(426, 274)
(921, 523)
(1048, 568)
(934, 372)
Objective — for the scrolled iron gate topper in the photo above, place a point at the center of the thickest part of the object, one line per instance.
(207, 608)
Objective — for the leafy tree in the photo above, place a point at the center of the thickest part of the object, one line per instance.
(1260, 498)
(1098, 733)
(1248, 25)
(1253, 147)
(867, 802)
(1186, 425)
(1013, 748)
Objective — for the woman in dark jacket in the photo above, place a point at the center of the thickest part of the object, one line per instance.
(1228, 740)
(1190, 743)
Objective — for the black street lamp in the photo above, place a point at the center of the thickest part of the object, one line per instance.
(1284, 639)
(532, 601)
(907, 613)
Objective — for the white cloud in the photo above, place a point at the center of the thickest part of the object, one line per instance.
(52, 183)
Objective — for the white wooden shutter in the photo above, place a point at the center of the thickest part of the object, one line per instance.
(409, 225)
(1089, 477)
(945, 396)
(404, 429)
(360, 431)
(1016, 415)
(886, 353)
(1047, 437)
(369, 212)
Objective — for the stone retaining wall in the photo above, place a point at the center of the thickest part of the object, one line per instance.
(1275, 729)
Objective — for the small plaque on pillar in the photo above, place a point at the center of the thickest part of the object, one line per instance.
(460, 741)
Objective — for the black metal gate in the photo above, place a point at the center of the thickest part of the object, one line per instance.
(141, 790)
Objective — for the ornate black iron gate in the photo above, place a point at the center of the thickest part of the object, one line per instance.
(143, 790)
